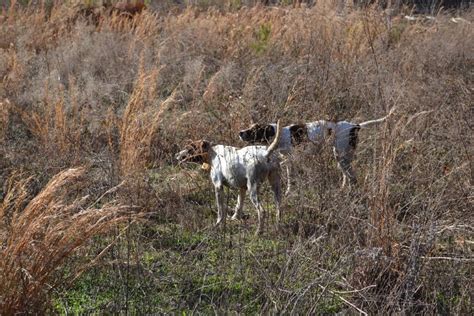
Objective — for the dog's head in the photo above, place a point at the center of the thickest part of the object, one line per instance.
(197, 152)
(258, 133)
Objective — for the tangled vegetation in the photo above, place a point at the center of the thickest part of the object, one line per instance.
(96, 217)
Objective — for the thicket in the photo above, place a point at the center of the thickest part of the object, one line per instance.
(97, 217)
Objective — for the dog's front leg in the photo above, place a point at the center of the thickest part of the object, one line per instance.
(221, 209)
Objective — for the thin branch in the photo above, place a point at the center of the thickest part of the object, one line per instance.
(356, 291)
(450, 258)
(345, 301)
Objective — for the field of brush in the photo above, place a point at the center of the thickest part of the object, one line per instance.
(97, 217)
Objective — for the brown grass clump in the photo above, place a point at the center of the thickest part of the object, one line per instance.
(4, 118)
(136, 124)
(39, 236)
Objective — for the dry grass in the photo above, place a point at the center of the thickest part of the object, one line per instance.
(39, 236)
(122, 95)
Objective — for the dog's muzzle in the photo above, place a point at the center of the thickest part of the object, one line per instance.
(181, 156)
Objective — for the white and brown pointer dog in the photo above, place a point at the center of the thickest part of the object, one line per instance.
(244, 168)
(344, 142)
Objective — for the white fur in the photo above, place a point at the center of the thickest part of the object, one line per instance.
(245, 169)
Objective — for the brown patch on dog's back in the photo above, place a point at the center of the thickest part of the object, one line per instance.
(299, 133)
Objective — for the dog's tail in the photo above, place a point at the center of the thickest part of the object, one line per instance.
(276, 142)
(368, 124)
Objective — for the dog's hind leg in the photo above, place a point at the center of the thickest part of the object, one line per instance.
(253, 189)
(221, 209)
(275, 183)
(288, 175)
(345, 164)
(240, 204)
(286, 160)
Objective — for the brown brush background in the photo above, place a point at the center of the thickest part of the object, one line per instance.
(95, 101)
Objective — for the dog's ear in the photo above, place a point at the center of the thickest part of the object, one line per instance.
(269, 132)
(205, 146)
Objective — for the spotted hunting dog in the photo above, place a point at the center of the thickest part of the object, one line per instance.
(344, 142)
(244, 169)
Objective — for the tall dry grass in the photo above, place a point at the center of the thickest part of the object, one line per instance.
(40, 235)
(123, 95)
